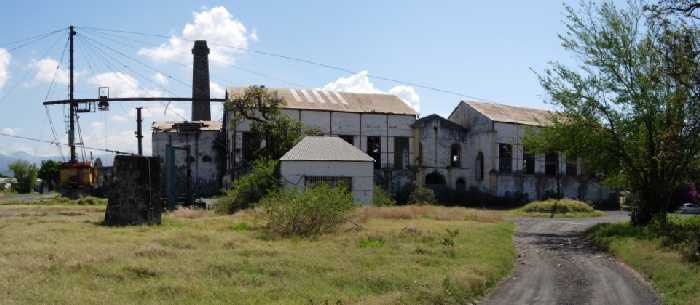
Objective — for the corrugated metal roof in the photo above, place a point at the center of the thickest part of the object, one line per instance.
(422, 121)
(513, 114)
(325, 149)
(172, 126)
(314, 99)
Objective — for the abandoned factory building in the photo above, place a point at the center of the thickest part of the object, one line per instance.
(378, 124)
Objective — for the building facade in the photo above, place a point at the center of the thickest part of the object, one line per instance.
(377, 124)
(196, 155)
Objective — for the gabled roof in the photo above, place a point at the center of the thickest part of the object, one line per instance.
(512, 114)
(314, 99)
(325, 149)
(432, 117)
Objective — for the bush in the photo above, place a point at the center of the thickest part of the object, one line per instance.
(250, 189)
(316, 210)
(382, 198)
(421, 195)
(563, 206)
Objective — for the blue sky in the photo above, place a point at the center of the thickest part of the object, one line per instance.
(484, 49)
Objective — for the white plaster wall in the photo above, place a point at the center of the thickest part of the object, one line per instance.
(362, 173)
(205, 175)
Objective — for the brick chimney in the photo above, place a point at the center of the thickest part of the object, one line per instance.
(200, 82)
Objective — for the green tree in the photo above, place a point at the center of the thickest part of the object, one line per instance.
(50, 172)
(631, 107)
(26, 175)
(263, 109)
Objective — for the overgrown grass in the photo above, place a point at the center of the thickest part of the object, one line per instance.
(558, 208)
(62, 255)
(58, 200)
(663, 256)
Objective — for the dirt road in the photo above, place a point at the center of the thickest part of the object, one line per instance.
(557, 266)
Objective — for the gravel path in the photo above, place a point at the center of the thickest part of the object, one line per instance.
(557, 266)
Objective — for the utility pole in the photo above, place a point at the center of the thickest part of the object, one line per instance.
(139, 130)
(72, 102)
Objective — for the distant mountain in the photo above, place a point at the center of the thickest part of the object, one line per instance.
(7, 159)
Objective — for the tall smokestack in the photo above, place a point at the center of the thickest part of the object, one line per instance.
(200, 82)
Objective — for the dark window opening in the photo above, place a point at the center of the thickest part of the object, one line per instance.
(349, 139)
(420, 153)
(206, 159)
(400, 152)
(456, 155)
(345, 182)
(374, 150)
(505, 158)
(571, 168)
(251, 144)
(551, 164)
(529, 162)
(435, 178)
(479, 167)
(461, 185)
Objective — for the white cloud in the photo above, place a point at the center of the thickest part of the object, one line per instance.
(123, 85)
(408, 95)
(360, 83)
(217, 26)
(160, 78)
(97, 125)
(5, 58)
(161, 112)
(9, 131)
(45, 69)
(216, 90)
(118, 119)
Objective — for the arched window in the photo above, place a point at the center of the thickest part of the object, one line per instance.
(456, 155)
(434, 178)
(461, 185)
(479, 167)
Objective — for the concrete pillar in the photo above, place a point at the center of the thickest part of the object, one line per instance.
(200, 82)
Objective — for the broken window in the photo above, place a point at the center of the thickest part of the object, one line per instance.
(346, 182)
(349, 139)
(456, 155)
(571, 166)
(374, 150)
(400, 152)
(479, 167)
(251, 144)
(528, 162)
(551, 163)
(505, 158)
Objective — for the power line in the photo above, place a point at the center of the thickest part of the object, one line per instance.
(27, 41)
(64, 144)
(304, 61)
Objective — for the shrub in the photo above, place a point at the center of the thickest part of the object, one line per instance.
(563, 206)
(316, 210)
(382, 198)
(421, 195)
(250, 189)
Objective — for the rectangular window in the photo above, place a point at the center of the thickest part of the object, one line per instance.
(310, 181)
(551, 164)
(250, 145)
(505, 158)
(400, 152)
(349, 139)
(571, 168)
(529, 162)
(374, 150)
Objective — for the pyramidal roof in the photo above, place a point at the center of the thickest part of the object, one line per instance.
(325, 149)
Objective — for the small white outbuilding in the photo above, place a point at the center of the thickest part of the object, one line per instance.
(329, 160)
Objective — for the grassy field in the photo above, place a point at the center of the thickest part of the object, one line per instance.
(412, 255)
(553, 208)
(663, 262)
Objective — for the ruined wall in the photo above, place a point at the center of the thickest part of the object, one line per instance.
(540, 186)
(436, 139)
(204, 165)
(134, 197)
